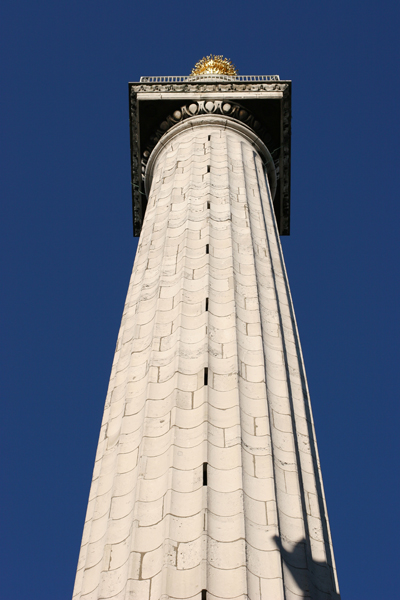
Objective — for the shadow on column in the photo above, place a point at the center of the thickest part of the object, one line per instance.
(313, 579)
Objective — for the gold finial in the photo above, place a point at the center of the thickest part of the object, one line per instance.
(214, 64)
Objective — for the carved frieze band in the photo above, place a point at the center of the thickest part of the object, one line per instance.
(209, 87)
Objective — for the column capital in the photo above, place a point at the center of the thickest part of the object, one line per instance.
(263, 103)
(213, 120)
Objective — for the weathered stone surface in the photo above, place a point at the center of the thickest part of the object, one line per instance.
(259, 528)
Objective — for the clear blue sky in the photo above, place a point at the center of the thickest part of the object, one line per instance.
(67, 251)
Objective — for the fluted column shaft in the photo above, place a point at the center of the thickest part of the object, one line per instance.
(207, 369)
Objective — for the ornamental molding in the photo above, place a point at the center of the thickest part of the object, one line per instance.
(210, 107)
(280, 90)
(202, 87)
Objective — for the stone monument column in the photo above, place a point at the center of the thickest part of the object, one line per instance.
(207, 483)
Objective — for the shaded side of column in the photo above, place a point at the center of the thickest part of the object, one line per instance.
(304, 539)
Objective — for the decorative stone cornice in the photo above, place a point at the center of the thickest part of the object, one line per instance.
(200, 86)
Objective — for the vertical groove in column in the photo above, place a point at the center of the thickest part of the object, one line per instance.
(205, 537)
(185, 370)
(239, 231)
(151, 535)
(117, 396)
(226, 548)
(127, 486)
(293, 528)
(321, 550)
(265, 575)
(317, 580)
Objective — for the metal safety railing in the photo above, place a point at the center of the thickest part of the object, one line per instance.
(207, 77)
